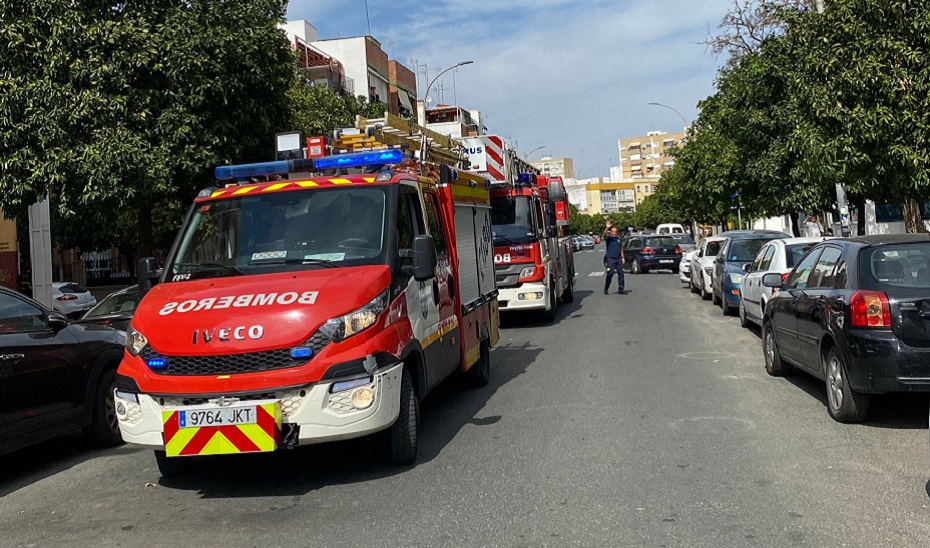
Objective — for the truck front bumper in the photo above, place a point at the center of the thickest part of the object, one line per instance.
(526, 296)
(318, 414)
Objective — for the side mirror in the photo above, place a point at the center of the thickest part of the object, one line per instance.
(772, 280)
(719, 259)
(747, 268)
(57, 321)
(424, 258)
(148, 275)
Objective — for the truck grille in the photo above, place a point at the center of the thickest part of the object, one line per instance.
(509, 275)
(230, 364)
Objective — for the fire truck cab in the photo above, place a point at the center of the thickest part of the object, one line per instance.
(311, 308)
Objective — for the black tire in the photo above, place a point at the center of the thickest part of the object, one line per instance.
(774, 365)
(548, 316)
(636, 268)
(403, 435)
(727, 311)
(568, 296)
(676, 271)
(480, 373)
(843, 403)
(713, 297)
(104, 427)
(694, 288)
(172, 467)
(743, 318)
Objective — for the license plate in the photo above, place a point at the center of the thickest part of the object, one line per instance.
(666, 261)
(217, 416)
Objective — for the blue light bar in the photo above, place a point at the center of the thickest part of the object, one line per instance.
(157, 363)
(245, 171)
(526, 178)
(359, 159)
(298, 353)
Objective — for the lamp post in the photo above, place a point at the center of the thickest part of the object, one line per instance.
(684, 122)
(433, 81)
(527, 155)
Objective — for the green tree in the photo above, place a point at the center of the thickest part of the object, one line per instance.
(318, 110)
(117, 110)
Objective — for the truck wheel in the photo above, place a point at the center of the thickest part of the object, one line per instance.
(104, 428)
(172, 467)
(548, 316)
(568, 295)
(843, 403)
(480, 373)
(402, 435)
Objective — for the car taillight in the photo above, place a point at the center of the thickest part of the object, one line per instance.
(678, 250)
(648, 251)
(67, 297)
(870, 309)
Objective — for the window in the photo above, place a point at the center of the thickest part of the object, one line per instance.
(767, 259)
(824, 273)
(435, 223)
(636, 157)
(757, 263)
(668, 142)
(793, 253)
(713, 248)
(799, 277)
(635, 243)
(18, 316)
(654, 188)
(893, 266)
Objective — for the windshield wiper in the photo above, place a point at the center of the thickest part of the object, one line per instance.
(211, 266)
(321, 262)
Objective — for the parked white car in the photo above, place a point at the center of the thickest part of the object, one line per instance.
(669, 228)
(684, 267)
(702, 266)
(777, 256)
(71, 299)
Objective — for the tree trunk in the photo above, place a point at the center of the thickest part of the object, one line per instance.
(795, 227)
(146, 238)
(912, 221)
(859, 203)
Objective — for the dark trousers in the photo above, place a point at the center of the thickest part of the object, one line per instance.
(615, 266)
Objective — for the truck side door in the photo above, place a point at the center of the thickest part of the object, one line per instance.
(443, 287)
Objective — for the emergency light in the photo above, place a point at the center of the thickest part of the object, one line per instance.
(283, 167)
(157, 363)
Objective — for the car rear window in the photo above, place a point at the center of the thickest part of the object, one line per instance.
(72, 288)
(895, 265)
(663, 241)
(745, 250)
(796, 251)
(682, 238)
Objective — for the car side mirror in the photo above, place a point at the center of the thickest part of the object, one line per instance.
(424, 258)
(57, 321)
(772, 280)
(148, 275)
(719, 259)
(747, 268)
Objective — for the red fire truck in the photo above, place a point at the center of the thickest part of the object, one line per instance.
(313, 307)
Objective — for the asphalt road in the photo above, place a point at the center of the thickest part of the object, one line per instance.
(638, 420)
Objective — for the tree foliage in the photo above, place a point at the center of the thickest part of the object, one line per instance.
(118, 109)
(318, 110)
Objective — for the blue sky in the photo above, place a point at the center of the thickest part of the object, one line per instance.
(567, 74)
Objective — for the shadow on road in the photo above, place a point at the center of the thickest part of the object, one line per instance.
(533, 318)
(444, 413)
(899, 411)
(35, 463)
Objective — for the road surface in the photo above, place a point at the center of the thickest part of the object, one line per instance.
(638, 420)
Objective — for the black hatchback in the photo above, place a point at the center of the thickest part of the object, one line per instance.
(645, 253)
(856, 314)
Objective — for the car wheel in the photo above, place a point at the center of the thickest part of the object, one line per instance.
(636, 268)
(104, 427)
(774, 365)
(727, 311)
(480, 373)
(743, 318)
(694, 288)
(844, 404)
(402, 435)
(704, 293)
(172, 467)
(713, 296)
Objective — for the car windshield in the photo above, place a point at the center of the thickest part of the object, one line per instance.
(512, 220)
(122, 303)
(296, 230)
(895, 266)
(794, 252)
(682, 239)
(662, 241)
(744, 250)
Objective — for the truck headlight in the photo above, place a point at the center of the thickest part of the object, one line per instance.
(135, 341)
(528, 272)
(736, 278)
(356, 321)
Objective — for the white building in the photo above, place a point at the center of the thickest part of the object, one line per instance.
(577, 193)
(365, 63)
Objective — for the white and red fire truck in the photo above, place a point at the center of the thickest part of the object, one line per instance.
(314, 307)
(534, 266)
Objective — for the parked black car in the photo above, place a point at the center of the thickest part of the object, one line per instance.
(740, 249)
(55, 376)
(115, 310)
(645, 253)
(856, 314)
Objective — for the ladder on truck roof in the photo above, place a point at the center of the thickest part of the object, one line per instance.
(393, 131)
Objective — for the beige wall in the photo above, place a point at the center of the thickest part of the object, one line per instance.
(555, 167)
(647, 156)
(610, 197)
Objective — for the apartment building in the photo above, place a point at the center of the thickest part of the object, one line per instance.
(604, 196)
(645, 157)
(454, 121)
(555, 167)
(318, 67)
(402, 91)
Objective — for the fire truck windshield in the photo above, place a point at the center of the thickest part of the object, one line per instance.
(283, 231)
(513, 220)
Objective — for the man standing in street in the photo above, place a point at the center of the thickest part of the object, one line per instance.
(615, 260)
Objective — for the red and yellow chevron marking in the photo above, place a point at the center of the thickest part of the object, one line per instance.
(284, 186)
(264, 435)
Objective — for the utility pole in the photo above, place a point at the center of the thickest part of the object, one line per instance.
(840, 187)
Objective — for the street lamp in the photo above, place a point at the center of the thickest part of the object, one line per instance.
(680, 115)
(527, 155)
(460, 64)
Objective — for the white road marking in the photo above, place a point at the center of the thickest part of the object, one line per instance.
(596, 274)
